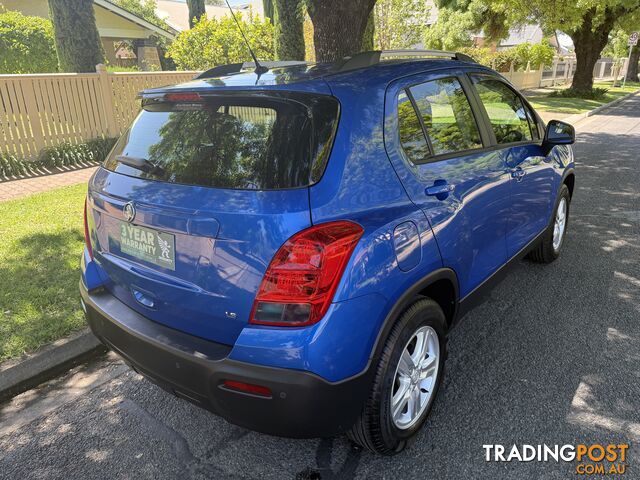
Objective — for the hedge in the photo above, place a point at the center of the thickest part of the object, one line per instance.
(63, 155)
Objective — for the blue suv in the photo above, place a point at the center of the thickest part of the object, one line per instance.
(289, 248)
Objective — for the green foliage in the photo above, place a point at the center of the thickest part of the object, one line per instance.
(617, 46)
(399, 23)
(63, 155)
(593, 94)
(26, 44)
(218, 42)
(289, 29)
(452, 31)
(537, 55)
(78, 43)
(481, 15)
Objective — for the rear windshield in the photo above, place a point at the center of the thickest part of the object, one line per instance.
(242, 142)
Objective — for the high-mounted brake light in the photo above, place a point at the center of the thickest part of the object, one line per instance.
(299, 284)
(183, 97)
(87, 237)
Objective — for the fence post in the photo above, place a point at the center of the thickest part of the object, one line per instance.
(106, 94)
(35, 122)
(554, 67)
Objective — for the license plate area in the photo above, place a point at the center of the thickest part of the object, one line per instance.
(142, 243)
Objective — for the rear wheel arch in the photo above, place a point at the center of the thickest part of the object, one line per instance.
(441, 286)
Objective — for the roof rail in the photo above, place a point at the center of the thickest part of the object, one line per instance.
(367, 59)
(232, 68)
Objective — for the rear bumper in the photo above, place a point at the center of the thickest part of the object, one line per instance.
(302, 404)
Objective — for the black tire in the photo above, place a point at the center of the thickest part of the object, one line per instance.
(544, 251)
(375, 429)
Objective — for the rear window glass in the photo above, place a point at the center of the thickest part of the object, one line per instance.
(250, 142)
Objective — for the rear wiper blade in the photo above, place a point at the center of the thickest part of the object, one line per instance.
(139, 163)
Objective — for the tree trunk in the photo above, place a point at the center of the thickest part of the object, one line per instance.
(269, 9)
(78, 43)
(369, 34)
(289, 23)
(338, 27)
(632, 71)
(196, 11)
(589, 41)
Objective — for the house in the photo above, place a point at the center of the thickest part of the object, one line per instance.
(115, 25)
(176, 12)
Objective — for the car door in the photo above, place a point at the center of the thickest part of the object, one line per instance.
(437, 147)
(518, 136)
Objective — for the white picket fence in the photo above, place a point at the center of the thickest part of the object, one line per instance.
(42, 110)
(561, 72)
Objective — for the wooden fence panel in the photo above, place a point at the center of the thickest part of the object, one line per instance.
(42, 110)
(126, 86)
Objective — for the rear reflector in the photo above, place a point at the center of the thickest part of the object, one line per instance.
(298, 287)
(247, 388)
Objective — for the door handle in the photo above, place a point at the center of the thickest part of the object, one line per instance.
(440, 189)
(518, 174)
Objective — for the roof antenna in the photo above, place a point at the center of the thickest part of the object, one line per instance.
(259, 68)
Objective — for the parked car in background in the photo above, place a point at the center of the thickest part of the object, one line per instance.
(289, 249)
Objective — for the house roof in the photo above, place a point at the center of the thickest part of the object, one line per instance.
(111, 20)
(171, 33)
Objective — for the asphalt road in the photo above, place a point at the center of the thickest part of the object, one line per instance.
(553, 357)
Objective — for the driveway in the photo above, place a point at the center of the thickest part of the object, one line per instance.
(553, 357)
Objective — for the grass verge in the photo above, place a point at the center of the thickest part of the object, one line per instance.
(41, 242)
(573, 105)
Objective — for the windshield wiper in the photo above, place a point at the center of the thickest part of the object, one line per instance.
(140, 163)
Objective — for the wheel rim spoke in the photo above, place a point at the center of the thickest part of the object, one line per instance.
(415, 377)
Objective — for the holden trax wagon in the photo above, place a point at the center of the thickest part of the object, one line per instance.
(289, 248)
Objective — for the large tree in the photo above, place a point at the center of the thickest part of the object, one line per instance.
(77, 39)
(338, 26)
(196, 11)
(587, 22)
(289, 23)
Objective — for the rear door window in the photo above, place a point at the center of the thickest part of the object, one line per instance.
(412, 136)
(510, 120)
(239, 142)
(446, 116)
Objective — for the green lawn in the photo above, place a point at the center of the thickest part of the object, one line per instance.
(542, 102)
(41, 240)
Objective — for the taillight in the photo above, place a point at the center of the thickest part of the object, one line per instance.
(87, 238)
(302, 278)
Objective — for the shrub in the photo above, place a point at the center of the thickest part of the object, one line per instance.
(218, 42)
(593, 94)
(26, 44)
(63, 155)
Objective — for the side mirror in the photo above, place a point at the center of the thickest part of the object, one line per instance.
(559, 133)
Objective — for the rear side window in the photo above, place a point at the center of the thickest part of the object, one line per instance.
(507, 113)
(241, 142)
(447, 116)
(412, 137)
